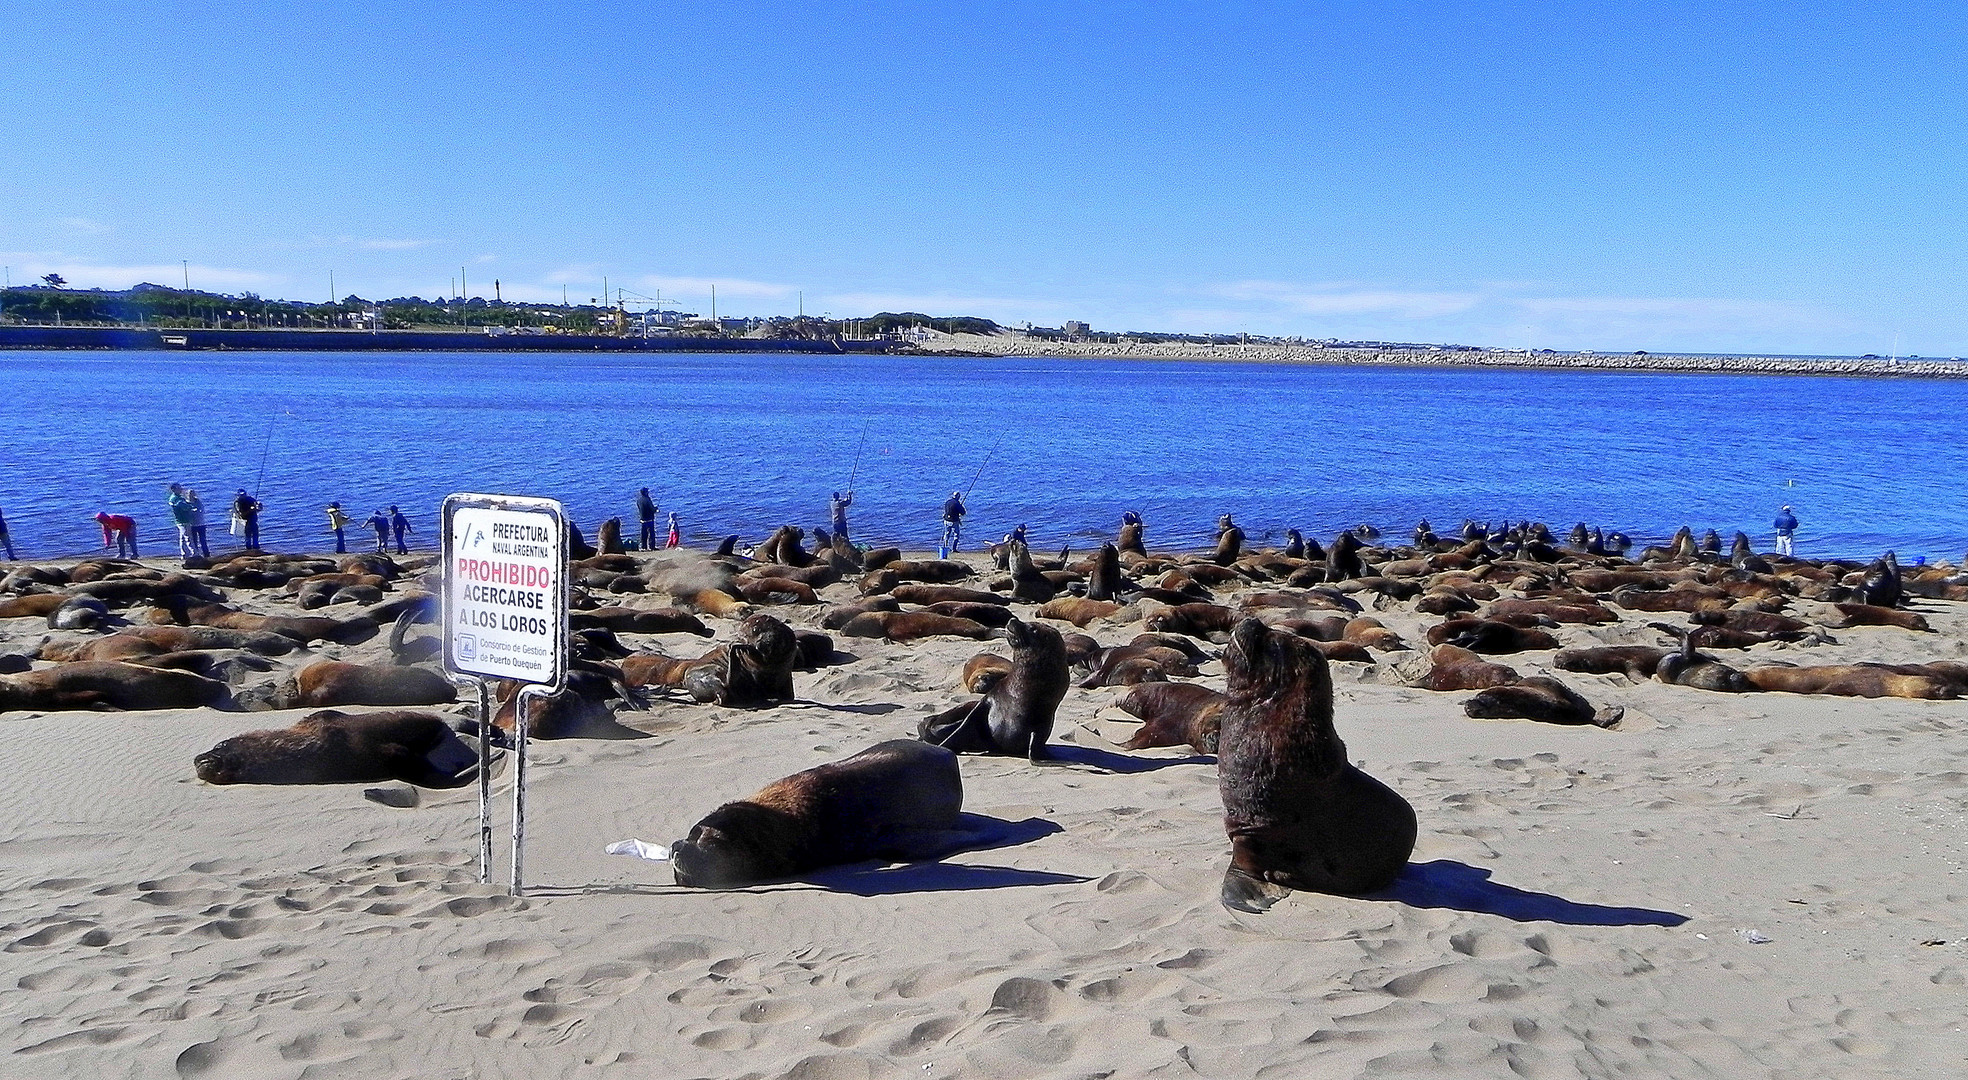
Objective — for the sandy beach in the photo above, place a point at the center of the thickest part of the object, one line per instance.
(1728, 885)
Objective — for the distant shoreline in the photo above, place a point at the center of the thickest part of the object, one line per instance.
(1017, 345)
(1008, 345)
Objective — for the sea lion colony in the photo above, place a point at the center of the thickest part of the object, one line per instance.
(1138, 632)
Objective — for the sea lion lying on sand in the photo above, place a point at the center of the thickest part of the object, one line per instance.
(106, 684)
(331, 747)
(896, 800)
(1174, 714)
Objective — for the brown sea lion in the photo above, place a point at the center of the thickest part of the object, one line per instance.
(1855, 680)
(1078, 610)
(911, 625)
(1489, 636)
(918, 593)
(1015, 715)
(302, 628)
(897, 800)
(1104, 581)
(840, 615)
(333, 682)
(755, 668)
(1453, 668)
(107, 684)
(1537, 697)
(776, 591)
(628, 620)
(1590, 612)
(1195, 620)
(1174, 714)
(719, 604)
(1875, 615)
(1701, 671)
(993, 615)
(983, 671)
(1636, 662)
(1298, 815)
(331, 747)
(37, 605)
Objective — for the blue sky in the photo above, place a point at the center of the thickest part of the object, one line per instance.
(1661, 176)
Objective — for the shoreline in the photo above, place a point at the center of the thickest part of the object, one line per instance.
(983, 346)
(1007, 347)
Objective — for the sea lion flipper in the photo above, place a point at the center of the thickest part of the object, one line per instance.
(964, 729)
(1243, 892)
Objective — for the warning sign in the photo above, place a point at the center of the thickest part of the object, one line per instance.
(505, 588)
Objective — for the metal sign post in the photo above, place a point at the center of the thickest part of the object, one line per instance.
(505, 617)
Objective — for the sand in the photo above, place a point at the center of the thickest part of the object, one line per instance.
(1764, 885)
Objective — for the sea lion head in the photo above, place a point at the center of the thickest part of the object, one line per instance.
(219, 765)
(1266, 664)
(772, 640)
(738, 844)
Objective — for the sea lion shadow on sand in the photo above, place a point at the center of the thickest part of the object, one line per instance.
(974, 832)
(1108, 761)
(1446, 883)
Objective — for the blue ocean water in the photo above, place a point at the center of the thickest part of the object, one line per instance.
(743, 443)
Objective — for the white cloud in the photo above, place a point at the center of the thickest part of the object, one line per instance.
(1350, 299)
(85, 226)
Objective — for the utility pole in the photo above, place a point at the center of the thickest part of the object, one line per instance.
(714, 306)
(462, 287)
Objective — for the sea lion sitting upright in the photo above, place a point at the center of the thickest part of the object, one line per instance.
(895, 800)
(1130, 536)
(1229, 542)
(1015, 714)
(1299, 816)
(1104, 583)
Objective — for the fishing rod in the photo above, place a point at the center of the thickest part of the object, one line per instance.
(265, 447)
(857, 455)
(981, 464)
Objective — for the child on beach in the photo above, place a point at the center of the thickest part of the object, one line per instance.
(676, 531)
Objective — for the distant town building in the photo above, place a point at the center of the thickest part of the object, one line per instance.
(1075, 329)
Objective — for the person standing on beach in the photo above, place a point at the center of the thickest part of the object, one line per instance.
(953, 512)
(120, 529)
(6, 541)
(337, 521)
(198, 524)
(247, 509)
(181, 517)
(400, 525)
(380, 522)
(838, 510)
(676, 531)
(646, 510)
(1786, 526)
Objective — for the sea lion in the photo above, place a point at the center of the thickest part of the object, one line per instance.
(36, 605)
(107, 684)
(1452, 668)
(1174, 714)
(628, 620)
(1015, 715)
(1701, 671)
(1104, 581)
(78, 613)
(918, 593)
(333, 682)
(1195, 620)
(981, 672)
(1125, 665)
(1881, 584)
(1875, 615)
(1489, 636)
(911, 625)
(993, 615)
(1636, 662)
(1856, 680)
(1343, 560)
(1130, 537)
(755, 668)
(331, 747)
(897, 800)
(776, 591)
(1537, 697)
(1078, 610)
(1229, 542)
(1298, 815)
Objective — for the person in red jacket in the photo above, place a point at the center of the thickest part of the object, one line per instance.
(120, 529)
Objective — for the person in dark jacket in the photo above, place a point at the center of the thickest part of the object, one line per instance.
(6, 541)
(400, 525)
(646, 510)
(953, 513)
(247, 509)
(380, 522)
(838, 511)
(1786, 526)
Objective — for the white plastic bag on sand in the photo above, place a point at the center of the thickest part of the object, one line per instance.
(641, 849)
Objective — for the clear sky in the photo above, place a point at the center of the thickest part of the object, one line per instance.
(1784, 178)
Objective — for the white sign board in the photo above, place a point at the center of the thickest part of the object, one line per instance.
(505, 588)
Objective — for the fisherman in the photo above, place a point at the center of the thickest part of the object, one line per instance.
(646, 510)
(337, 521)
(953, 513)
(400, 525)
(1786, 526)
(838, 508)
